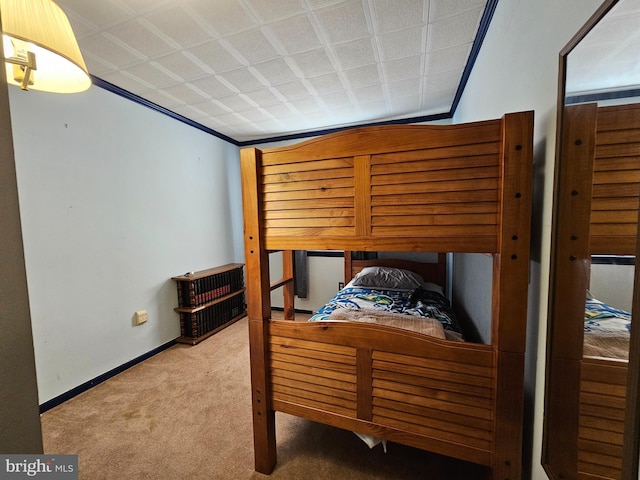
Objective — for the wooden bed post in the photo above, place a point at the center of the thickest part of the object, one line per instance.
(510, 286)
(259, 312)
(288, 287)
(571, 261)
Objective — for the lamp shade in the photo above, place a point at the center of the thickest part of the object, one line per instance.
(42, 28)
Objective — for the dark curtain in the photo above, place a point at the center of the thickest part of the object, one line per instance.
(300, 274)
(357, 255)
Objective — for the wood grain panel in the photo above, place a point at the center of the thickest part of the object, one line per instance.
(384, 139)
(452, 156)
(311, 212)
(425, 168)
(428, 177)
(318, 194)
(433, 209)
(428, 429)
(436, 382)
(338, 167)
(314, 375)
(322, 184)
(468, 186)
(616, 180)
(601, 418)
(442, 200)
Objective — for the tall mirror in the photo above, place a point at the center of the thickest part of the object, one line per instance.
(591, 402)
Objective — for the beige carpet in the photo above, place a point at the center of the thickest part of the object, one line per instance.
(186, 414)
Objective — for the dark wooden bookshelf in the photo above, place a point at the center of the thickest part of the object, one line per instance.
(209, 300)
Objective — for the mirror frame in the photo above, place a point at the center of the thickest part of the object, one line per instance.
(556, 368)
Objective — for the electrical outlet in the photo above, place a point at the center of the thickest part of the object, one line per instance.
(340, 285)
(140, 317)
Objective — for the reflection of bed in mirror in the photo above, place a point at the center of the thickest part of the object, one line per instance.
(607, 324)
(612, 227)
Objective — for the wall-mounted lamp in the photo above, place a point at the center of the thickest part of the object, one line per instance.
(41, 51)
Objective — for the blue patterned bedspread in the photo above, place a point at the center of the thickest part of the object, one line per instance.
(420, 303)
(602, 318)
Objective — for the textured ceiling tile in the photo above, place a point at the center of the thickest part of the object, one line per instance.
(215, 56)
(276, 71)
(295, 34)
(226, 17)
(212, 87)
(182, 66)
(184, 93)
(141, 7)
(355, 54)
(114, 53)
(253, 45)
(242, 79)
(176, 24)
(404, 87)
(344, 22)
(269, 11)
(270, 127)
(280, 111)
(231, 119)
(368, 94)
(306, 106)
(328, 83)
(336, 100)
(151, 75)
(456, 30)
(322, 3)
(313, 63)
(236, 103)
(293, 91)
(101, 14)
(263, 97)
(402, 69)
(447, 59)
(135, 35)
(256, 115)
(212, 108)
(377, 109)
(362, 76)
(442, 83)
(435, 100)
(343, 115)
(405, 106)
(447, 8)
(126, 82)
(404, 43)
(391, 15)
(160, 97)
(188, 111)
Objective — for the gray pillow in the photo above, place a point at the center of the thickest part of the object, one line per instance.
(386, 277)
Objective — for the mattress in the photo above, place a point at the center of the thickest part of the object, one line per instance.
(416, 309)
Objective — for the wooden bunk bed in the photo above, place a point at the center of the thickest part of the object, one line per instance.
(409, 188)
(599, 190)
